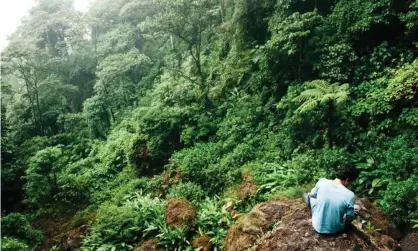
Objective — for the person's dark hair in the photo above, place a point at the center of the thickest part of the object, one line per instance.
(347, 171)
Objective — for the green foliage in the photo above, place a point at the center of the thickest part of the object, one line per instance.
(213, 220)
(416, 225)
(199, 165)
(123, 226)
(98, 117)
(138, 100)
(321, 92)
(371, 177)
(17, 232)
(411, 17)
(403, 194)
(190, 191)
(11, 244)
(42, 175)
(359, 16)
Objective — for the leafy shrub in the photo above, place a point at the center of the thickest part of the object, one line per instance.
(240, 155)
(400, 200)
(188, 190)
(124, 191)
(115, 225)
(74, 190)
(42, 175)
(122, 226)
(174, 238)
(214, 220)
(12, 244)
(243, 119)
(200, 165)
(387, 159)
(16, 225)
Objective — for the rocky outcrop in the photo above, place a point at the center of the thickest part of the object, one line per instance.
(287, 225)
(410, 242)
(372, 214)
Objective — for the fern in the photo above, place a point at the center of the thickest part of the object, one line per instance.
(321, 92)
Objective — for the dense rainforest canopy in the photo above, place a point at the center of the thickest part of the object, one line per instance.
(109, 114)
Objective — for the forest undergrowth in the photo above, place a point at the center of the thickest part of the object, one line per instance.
(157, 123)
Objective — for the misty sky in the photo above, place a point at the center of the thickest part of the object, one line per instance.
(12, 11)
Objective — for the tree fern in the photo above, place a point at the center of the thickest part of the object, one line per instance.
(321, 92)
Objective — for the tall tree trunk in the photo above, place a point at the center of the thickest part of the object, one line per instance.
(330, 115)
(112, 114)
(31, 103)
(223, 11)
(38, 106)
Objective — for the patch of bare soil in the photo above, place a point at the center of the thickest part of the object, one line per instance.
(253, 225)
(295, 231)
(63, 231)
(202, 242)
(180, 213)
(72, 240)
(247, 187)
(53, 230)
(149, 245)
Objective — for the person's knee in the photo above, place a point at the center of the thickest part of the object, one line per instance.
(306, 198)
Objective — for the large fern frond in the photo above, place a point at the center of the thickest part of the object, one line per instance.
(320, 85)
(307, 106)
(341, 97)
(327, 98)
(309, 94)
(321, 92)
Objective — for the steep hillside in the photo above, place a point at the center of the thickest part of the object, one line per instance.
(113, 116)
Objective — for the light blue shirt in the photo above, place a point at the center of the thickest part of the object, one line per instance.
(333, 202)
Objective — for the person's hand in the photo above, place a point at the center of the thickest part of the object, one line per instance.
(356, 209)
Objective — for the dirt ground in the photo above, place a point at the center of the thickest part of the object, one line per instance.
(287, 225)
(180, 213)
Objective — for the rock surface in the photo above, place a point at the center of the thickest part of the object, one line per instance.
(287, 225)
(410, 242)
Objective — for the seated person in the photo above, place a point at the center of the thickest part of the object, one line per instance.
(331, 203)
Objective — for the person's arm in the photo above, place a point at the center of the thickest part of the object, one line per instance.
(349, 215)
(314, 191)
